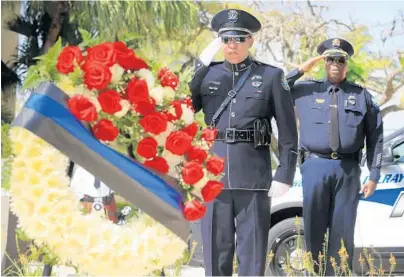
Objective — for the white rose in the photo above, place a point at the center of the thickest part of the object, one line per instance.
(97, 104)
(187, 114)
(147, 75)
(125, 108)
(172, 160)
(162, 137)
(116, 71)
(158, 94)
(169, 93)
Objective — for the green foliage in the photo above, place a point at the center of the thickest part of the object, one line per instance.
(45, 69)
(6, 156)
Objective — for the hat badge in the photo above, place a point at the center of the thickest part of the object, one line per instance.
(232, 16)
(336, 42)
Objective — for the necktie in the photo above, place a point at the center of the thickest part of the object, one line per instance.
(334, 126)
(97, 183)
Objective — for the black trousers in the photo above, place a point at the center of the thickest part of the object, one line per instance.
(246, 215)
(330, 201)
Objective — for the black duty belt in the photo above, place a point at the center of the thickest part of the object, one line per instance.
(333, 156)
(232, 135)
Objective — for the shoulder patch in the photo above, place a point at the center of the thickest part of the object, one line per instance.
(284, 82)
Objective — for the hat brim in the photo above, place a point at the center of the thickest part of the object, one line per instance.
(233, 33)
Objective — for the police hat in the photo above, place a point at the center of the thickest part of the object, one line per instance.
(233, 22)
(335, 47)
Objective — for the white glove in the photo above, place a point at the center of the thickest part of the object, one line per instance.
(210, 51)
(278, 189)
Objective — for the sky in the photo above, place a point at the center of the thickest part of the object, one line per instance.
(377, 14)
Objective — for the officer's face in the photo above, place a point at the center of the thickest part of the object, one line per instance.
(336, 68)
(235, 50)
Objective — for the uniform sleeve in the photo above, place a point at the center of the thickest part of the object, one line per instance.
(374, 137)
(282, 105)
(292, 77)
(195, 84)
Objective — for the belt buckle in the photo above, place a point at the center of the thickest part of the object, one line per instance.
(230, 132)
(334, 155)
(231, 93)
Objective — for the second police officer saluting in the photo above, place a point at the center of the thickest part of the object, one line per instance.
(240, 96)
(336, 118)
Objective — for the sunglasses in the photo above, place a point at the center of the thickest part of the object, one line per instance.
(339, 60)
(238, 40)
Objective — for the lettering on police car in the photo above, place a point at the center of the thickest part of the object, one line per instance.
(388, 178)
(398, 208)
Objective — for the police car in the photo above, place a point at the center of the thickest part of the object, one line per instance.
(380, 220)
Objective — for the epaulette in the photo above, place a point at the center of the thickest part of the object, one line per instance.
(354, 84)
(215, 63)
(311, 81)
(262, 63)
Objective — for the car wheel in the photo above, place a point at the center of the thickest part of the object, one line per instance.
(286, 246)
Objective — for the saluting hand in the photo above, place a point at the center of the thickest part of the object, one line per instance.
(368, 189)
(308, 65)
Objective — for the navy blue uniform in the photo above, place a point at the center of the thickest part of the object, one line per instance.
(331, 186)
(248, 172)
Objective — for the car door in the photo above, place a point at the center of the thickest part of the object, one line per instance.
(380, 220)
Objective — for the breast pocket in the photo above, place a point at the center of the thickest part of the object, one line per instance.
(211, 100)
(256, 105)
(353, 115)
(318, 113)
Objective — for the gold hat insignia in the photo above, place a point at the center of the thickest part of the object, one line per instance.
(336, 42)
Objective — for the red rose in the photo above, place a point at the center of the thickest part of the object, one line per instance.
(137, 91)
(178, 142)
(147, 148)
(105, 130)
(215, 165)
(177, 111)
(197, 154)
(103, 53)
(188, 101)
(209, 134)
(192, 172)
(157, 163)
(154, 123)
(82, 108)
(96, 75)
(191, 130)
(162, 71)
(110, 101)
(194, 210)
(211, 190)
(145, 106)
(69, 54)
(126, 57)
(169, 80)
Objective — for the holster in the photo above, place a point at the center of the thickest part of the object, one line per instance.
(262, 133)
(301, 157)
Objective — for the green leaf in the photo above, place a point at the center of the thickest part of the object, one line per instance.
(21, 235)
(402, 62)
(33, 78)
(76, 76)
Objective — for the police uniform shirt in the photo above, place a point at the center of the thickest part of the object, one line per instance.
(265, 94)
(359, 119)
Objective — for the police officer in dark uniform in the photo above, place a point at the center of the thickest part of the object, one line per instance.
(239, 96)
(336, 118)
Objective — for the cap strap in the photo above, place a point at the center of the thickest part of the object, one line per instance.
(332, 51)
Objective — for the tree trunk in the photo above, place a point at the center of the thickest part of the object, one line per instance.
(58, 12)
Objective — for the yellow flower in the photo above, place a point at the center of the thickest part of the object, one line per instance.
(66, 84)
(50, 213)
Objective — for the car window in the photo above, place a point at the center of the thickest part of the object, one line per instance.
(398, 152)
